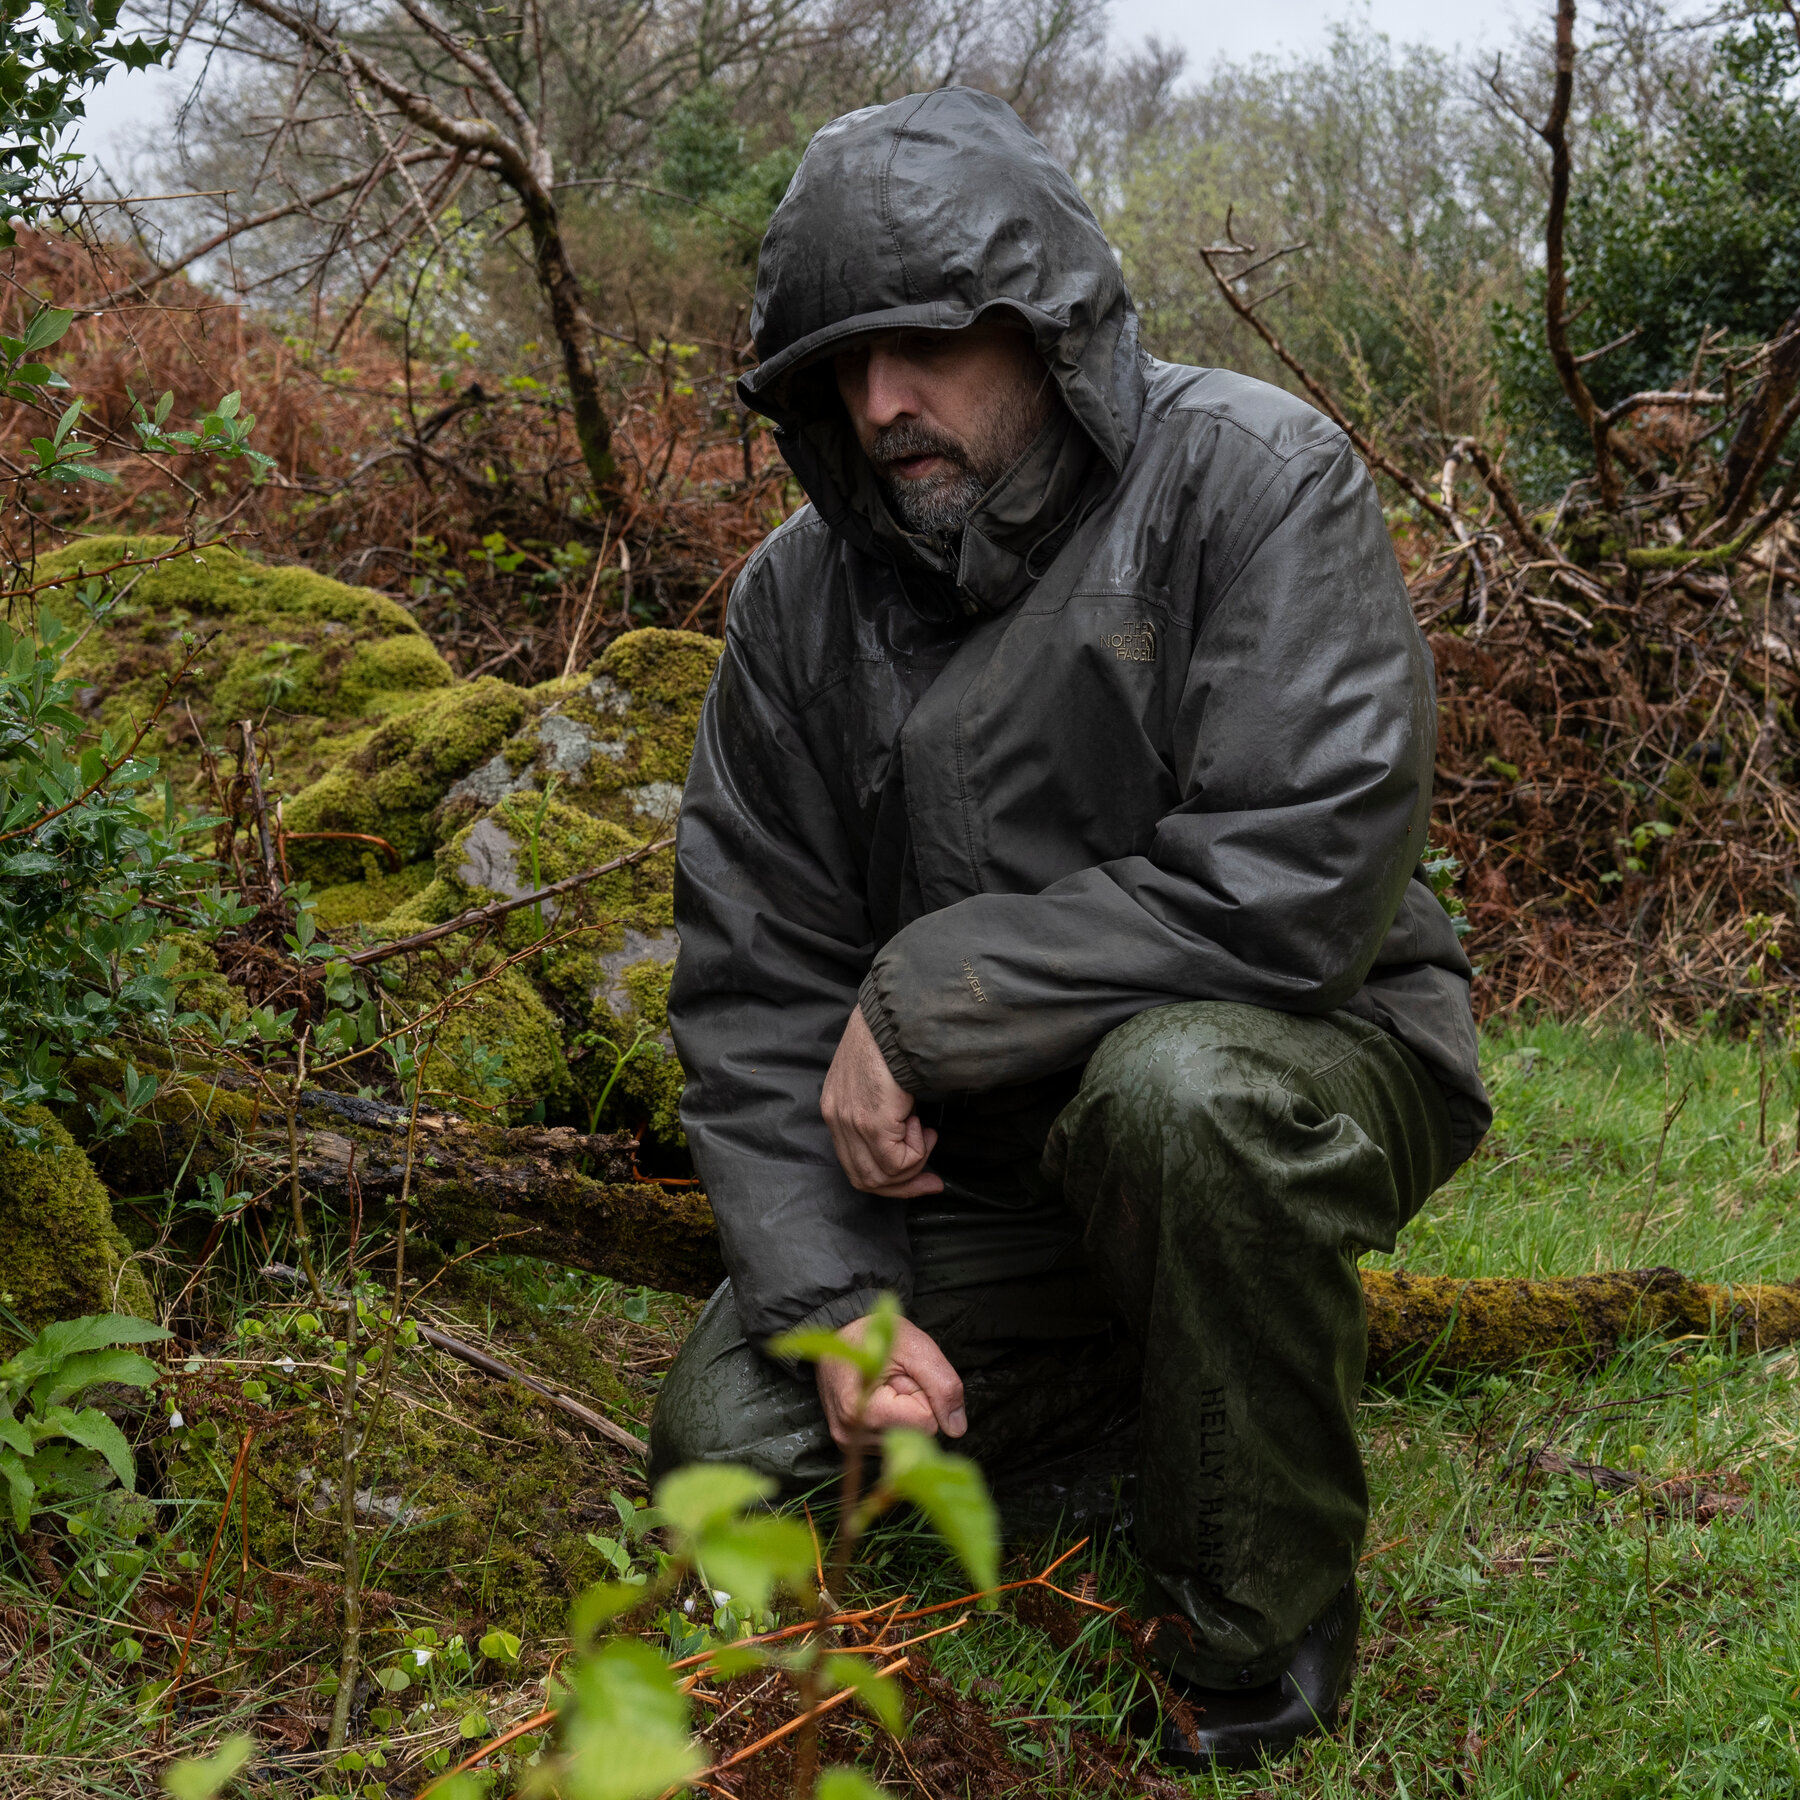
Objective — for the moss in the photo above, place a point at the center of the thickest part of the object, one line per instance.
(479, 1499)
(60, 1253)
(192, 1127)
(501, 1047)
(1449, 1324)
(434, 904)
(202, 987)
(393, 784)
(372, 898)
(316, 654)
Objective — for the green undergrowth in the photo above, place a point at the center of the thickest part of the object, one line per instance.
(1578, 1173)
(1620, 1619)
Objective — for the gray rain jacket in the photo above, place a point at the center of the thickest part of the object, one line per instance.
(1159, 728)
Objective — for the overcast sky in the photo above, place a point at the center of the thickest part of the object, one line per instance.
(129, 105)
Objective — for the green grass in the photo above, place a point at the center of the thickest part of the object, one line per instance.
(1563, 1184)
(1524, 1637)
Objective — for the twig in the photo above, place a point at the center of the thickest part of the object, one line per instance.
(498, 909)
(500, 1371)
(1320, 394)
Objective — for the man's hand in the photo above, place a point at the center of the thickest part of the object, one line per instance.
(879, 1138)
(920, 1389)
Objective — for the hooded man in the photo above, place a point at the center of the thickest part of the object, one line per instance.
(1054, 948)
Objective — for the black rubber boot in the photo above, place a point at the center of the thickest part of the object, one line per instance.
(1237, 1728)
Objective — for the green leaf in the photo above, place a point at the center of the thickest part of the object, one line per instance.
(69, 1336)
(87, 1368)
(731, 1660)
(625, 1727)
(500, 1646)
(869, 1357)
(203, 1780)
(600, 1605)
(473, 1724)
(879, 1693)
(847, 1784)
(22, 1489)
(93, 1430)
(826, 1346)
(951, 1494)
(47, 327)
(749, 1558)
(707, 1494)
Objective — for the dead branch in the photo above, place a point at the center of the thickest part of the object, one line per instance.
(1210, 255)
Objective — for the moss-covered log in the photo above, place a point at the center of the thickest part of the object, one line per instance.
(555, 1194)
(1465, 1327)
(575, 1200)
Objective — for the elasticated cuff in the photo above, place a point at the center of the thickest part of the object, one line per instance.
(881, 1027)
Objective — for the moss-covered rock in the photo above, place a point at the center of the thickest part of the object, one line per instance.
(61, 1255)
(390, 786)
(325, 662)
(481, 789)
(584, 770)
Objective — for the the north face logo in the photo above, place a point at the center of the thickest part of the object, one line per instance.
(1134, 643)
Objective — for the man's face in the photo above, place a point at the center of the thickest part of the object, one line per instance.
(942, 415)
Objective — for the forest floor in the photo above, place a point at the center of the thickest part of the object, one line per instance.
(1581, 1580)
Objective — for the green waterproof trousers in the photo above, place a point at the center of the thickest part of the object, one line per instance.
(1148, 1265)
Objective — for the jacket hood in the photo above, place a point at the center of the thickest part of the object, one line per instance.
(930, 212)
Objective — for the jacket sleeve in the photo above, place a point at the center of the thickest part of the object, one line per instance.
(775, 937)
(1303, 748)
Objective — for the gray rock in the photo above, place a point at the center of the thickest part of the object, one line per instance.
(639, 946)
(568, 745)
(491, 783)
(660, 800)
(490, 860)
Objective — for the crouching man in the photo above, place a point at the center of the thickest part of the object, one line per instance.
(1054, 950)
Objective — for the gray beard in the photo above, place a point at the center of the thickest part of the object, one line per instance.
(940, 507)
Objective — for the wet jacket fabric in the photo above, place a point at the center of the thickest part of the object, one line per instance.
(1157, 727)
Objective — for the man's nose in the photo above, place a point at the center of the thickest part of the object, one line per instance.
(891, 392)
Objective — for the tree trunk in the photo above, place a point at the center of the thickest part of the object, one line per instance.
(574, 334)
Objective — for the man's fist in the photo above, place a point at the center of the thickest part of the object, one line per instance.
(878, 1137)
(919, 1389)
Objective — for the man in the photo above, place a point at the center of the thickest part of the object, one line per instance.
(1053, 947)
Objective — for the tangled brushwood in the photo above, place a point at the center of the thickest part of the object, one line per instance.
(1617, 671)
